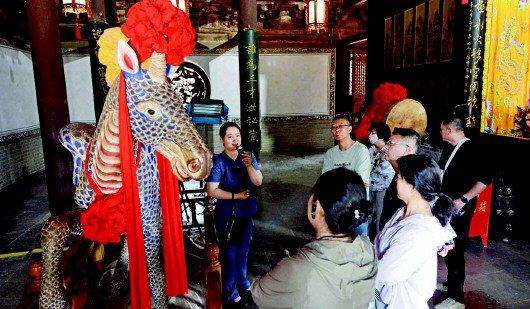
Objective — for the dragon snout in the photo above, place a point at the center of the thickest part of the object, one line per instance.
(194, 165)
(199, 164)
(197, 167)
(187, 164)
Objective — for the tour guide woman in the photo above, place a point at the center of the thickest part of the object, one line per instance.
(232, 180)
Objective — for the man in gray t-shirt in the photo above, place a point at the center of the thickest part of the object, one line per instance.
(347, 153)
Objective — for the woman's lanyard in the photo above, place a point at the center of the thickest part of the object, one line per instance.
(451, 156)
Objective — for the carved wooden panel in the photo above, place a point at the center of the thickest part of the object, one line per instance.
(281, 15)
(280, 22)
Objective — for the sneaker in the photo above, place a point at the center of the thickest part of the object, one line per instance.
(450, 303)
(441, 286)
(247, 296)
(235, 304)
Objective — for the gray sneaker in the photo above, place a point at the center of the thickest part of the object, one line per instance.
(450, 303)
(441, 286)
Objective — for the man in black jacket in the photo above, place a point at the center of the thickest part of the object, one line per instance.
(462, 179)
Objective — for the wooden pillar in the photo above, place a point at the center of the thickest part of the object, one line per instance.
(51, 100)
(213, 282)
(248, 76)
(474, 63)
(248, 14)
(95, 27)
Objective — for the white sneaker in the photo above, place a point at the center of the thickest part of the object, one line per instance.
(441, 286)
(450, 303)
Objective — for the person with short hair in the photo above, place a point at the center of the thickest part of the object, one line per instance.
(348, 153)
(463, 179)
(232, 181)
(382, 171)
(338, 269)
(402, 142)
(407, 246)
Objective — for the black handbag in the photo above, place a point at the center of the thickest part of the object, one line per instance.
(234, 228)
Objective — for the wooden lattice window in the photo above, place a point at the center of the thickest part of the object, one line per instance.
(358, 78)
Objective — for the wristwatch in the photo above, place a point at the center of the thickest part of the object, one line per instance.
(464, 199)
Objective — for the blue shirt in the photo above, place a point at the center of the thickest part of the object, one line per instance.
(232, 176)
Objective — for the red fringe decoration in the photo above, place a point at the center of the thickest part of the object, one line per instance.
(139, 282)
(173, 237)
(156, 25)
(104, 220)
(384, 97)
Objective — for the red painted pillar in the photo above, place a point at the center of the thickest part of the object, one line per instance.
(248, 14)
(51, 100)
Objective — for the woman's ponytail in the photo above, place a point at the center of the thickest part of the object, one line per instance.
(443, 209)
(359, 213)
(424, 174)
(342, 196)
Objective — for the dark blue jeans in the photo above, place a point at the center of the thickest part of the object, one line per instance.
(234, 260)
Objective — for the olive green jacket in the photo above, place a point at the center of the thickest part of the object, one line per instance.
(323, 274)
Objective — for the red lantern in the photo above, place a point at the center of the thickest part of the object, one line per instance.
(77, 7)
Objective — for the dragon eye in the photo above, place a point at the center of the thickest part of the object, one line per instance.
(150, 109)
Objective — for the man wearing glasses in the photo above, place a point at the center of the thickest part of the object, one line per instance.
(348, 153)
(402, 142)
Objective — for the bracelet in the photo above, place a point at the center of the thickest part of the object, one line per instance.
(232, 195)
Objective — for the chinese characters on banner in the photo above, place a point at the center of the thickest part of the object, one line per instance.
(249, 90)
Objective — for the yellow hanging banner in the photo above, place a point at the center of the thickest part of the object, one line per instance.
(506, 86)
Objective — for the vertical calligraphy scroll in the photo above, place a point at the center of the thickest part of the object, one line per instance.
(474, 59)
(249, 89)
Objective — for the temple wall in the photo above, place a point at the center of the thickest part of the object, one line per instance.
(292, 83)
(283, 135)
(20, 143)
(296, 97)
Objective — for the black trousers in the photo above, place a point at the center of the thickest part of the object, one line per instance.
(455, 262)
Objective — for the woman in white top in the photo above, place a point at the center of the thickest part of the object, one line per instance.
(407, 246)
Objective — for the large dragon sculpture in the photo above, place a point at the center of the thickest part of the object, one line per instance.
(122, 171)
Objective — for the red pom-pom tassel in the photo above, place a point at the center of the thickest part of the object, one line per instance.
(383, 97)
(156, 25)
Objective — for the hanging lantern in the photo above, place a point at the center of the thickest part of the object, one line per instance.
(317, 15)
(183, 5)
(74, 6)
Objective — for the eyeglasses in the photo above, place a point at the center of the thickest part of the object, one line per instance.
(339, 127)
(393, 143)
